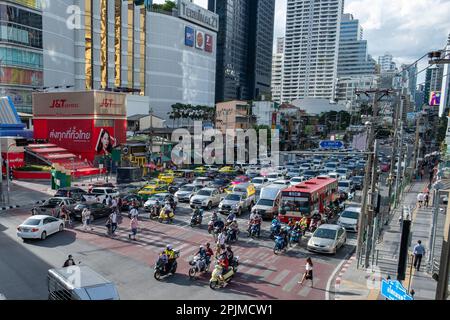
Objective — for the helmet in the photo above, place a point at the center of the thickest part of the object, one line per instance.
(201, 247)
(169, 247)
(235, 219)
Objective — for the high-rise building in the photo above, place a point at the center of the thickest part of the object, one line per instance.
(433, 81)
(311, 49)
(386, 63)
(353, 59)
(277, 71)
(244, 48)
(21, 51)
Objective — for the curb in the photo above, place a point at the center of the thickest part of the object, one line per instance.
(337, 281)
(23, 205)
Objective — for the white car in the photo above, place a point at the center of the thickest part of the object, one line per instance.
(328, 238)
(39, 227)
(260, 182)
(282, 182)
(349, 218)
(335, 175)
(296, 180)
(274, 176)
(207, 198)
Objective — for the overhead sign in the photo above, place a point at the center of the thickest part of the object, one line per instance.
(394, 290)
(328, 144)
(194, 13)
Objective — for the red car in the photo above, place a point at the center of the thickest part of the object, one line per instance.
(240, 179)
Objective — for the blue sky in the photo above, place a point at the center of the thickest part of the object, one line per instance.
(405, 28)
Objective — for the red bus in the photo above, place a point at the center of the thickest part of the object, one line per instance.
(307, 198)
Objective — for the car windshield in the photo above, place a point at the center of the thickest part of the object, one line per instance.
(187, 188)
(258, 181)
(265, 202)
(350, 214)
(54, 201)
(273, 175)
(204, 193)
(233, 197)
(80, 206)
(331, 165)
(158, 197)
(310, 173)
(296, 180)
(344, 184)
(325, 233)
(32, 222)
(279, 182)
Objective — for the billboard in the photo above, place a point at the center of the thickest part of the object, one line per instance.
(197, 14)
(200, 40)
(435, 98)
(208, 43)
(189, 36)
(21, 77)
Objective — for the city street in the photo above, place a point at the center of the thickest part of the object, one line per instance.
(261, 275)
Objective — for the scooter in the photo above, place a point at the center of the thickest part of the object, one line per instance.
(253, 230)
(197, 218)
(232, 236)
(215, 282)
(198, 264)
(315, 223)
(166, 216)
(275, 229)
(160, 273)
(279, 245)
(295, 236)
(211, 222)
(155, 211)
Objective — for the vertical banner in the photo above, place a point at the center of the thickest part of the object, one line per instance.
(200, 40)
(189, 36)
(208, 43)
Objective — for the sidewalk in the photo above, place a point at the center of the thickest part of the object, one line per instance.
(361, 284)
(24, 194)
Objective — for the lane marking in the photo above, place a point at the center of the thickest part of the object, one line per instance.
(335, 271)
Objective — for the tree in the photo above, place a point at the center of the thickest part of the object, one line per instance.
(166, 6)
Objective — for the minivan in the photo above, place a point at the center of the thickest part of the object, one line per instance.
(79, 283)
(269, 201)
(348, 219)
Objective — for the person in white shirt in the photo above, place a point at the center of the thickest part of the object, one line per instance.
(86, 218)
(134, 212)
(114, 204)
(113, 223)
(420, 199)
(308, 275)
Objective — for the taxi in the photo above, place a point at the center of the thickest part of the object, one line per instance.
(227, 169)
(150, 190)
(167, 177)
(200, 170)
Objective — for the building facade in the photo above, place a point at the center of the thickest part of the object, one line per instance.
(347, 86)
(234, 115)
(277, 77)
(353, 59)
(21, 51)
(311, 49)
(385, 62)
(245, 41)
(265, 113)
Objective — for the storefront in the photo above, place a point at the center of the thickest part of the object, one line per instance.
(89, 124)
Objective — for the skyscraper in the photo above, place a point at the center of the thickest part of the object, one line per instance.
(244, 48)
(386, 63)
(311, 48)
(277, 77)
(21, 51)
(353, 59)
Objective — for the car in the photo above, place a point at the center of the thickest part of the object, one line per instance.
(331, 166)
(227, 169)
(335, 175)
(200, 170)
(344, 173)
(53, 206)
(71, 192)
(176, 185)
(280, 169)
(358, 182)
(206, 197)
(220, 183)
(39, 227)
(240, 179)
(260, 182)
(296, 180)
(309, 174)
(186, 192)
(235, 202)
(349, 218)
(273, 176)
(346, 186)
(385, 167)
(167, 177)
(282, 182)
(327, 238)
(202, 181)
(128, 200)
(98, 210)
(160, 197)
(101, 193)
(149, 190)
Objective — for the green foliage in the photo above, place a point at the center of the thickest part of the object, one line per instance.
(335, 120)
(442, 129)
(166, 6)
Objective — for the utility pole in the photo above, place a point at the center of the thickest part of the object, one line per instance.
(416, 144)
(400, 154)
(394, 148)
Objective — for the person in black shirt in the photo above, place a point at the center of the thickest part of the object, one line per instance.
(69, 262)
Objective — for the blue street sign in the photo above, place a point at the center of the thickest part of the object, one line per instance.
(331, 144)
(394, 290)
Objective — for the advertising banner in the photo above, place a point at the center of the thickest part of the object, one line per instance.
(435, 98)
(208, 43)
(189, 36)
(75, 136)
(190, 11)
(200, 40)
(21, 77)
(15, 159)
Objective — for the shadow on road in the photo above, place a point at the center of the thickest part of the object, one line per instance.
(59, 239)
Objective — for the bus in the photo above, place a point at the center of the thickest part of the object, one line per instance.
(307, 198)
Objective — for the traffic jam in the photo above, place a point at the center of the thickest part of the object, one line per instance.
(306, 202)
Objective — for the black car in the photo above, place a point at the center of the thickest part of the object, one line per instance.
(98, 210)
(70, 192)
(358, 182)
(127, 200)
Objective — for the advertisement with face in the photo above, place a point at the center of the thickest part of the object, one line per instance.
(435, 98)
(200, 40)
(75, 136)
(105, 142)
(208, 43)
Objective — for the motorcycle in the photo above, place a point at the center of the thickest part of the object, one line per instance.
(160, 271)
(215, 282)
(197, 218)
(253, 230)
(232, 236)
(166, 216)
(315, 223)
(211, 223)
(295, 236)
(275, 229)
(279, 245)
(198, 264)
(155, 211)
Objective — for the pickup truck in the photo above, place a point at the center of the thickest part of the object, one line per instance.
(100, 193)
(52, 206)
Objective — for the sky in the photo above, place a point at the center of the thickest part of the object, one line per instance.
(405, 28)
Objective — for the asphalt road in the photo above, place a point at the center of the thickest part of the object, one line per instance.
(262, 275)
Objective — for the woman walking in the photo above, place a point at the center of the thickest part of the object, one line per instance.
(133, 226)
(308, 275)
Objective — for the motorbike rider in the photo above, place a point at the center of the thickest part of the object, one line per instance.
(231, 217)
(221, 238)
(276, 224)
(170, 257)
(284, 232)
(224, 263)
(164, 260)
(255, 219)
(230, 255)
(219, 224)
(234, 228)
(209, 253)
(197, 213)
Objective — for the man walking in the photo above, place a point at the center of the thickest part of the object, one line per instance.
(419, 251)
(133, 226)
(86, 218)
(420, 199)
(113, 223)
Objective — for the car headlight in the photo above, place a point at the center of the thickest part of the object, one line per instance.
(236, 205)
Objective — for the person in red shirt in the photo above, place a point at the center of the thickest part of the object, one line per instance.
(223, 262)
(209, 253)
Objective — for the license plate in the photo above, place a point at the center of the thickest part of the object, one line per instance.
(25, 230)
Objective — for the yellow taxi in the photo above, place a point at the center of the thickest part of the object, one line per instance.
(200, 170)
(167, 177)
(248, 188)
(149, 190)
(227, 170)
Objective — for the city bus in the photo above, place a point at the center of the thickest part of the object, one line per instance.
(307, 198)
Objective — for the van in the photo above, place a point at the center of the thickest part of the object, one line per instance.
(269, 201)
(348, 219)
(79, 283)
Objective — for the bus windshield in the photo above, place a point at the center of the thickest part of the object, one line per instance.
(295, 204)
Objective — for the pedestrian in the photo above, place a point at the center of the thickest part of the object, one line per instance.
(85, 217)
(133, 226)
(134, 213)
(422, 173)
(221, 239)
(113, 223)
(109, 201)
(114, 205)
(420, 199)
(431, 175)
(69, 262)
(308, 275)
(427, 199)
(419, 251)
